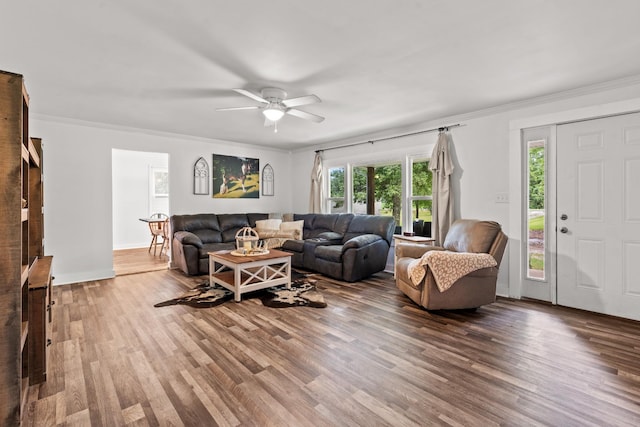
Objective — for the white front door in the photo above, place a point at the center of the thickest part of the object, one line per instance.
(598, 208)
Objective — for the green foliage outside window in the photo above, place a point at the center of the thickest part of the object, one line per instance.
(536, 178)
(336, 180)
(422, 180)
(388, 188)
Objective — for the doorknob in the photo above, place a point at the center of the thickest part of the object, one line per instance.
(564, 217)
(564, 230)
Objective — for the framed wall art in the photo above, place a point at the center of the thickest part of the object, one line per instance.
(267, 180)
(235, 177)
(201, 177)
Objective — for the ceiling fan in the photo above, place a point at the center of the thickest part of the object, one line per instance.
(275, 105)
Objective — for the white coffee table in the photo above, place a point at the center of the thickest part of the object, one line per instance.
(242, 274)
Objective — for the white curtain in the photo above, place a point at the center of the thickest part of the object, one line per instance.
(315, 199)
(441, 166)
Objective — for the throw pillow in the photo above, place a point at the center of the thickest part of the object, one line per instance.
(295, 226)
(268, 225)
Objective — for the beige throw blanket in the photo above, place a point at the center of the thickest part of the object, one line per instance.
(447, 267)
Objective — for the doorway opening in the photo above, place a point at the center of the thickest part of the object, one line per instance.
(140, 189)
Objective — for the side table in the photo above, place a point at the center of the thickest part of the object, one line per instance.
(400, 238)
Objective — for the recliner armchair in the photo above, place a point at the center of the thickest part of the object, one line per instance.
(472, 290)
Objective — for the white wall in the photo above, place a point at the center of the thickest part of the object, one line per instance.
(483, 158)
(78, 188)
(132, 196)
(77, 172)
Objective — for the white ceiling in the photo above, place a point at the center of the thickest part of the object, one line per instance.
(166, 65)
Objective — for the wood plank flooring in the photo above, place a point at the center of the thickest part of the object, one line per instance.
(371, 358)
(138, 260)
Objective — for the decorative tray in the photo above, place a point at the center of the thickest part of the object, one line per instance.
(252, 253)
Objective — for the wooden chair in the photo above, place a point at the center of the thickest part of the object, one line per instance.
(157, 228)
(166, 237)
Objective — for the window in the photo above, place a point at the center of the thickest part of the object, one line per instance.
(536, 209)
(336, 197)
(420, 196)
(377, 189)
(159, 182)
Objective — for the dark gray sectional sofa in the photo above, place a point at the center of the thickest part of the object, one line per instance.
(194, 236)
(342, 246)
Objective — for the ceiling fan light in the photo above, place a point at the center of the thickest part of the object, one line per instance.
(273, 112)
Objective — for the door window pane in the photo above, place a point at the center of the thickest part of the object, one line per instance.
(536, 210)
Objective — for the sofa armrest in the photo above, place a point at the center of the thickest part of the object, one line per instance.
(360, 241)
(414, 250)
(188, 238)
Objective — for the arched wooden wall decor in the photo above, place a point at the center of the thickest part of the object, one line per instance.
(201, 177)
(267, 180)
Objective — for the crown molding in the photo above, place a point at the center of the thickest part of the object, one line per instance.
(149, 132)
(497, 109)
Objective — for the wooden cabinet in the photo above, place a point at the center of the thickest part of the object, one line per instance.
(40, 302)
(25, 273)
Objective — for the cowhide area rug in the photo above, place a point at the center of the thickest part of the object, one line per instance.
(303, 292)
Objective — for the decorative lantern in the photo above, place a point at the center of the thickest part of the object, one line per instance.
(247, 241)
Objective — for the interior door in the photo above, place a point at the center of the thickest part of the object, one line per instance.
(598, 208)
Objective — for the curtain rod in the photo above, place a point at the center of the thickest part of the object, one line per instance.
(371, 141)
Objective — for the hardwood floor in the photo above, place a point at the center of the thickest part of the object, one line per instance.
(371, 358)
(138, 260)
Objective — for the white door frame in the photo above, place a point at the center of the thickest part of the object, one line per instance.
(543, 289)
(516, 174)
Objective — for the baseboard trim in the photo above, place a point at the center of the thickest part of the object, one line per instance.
(85, 276)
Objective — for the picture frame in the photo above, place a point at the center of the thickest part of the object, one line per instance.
(235, 177)
(201, 177)
(268, 180)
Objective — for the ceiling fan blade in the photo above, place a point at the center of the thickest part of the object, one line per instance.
(301, 100)
(251, 95)
(304, 115)
(237, 108)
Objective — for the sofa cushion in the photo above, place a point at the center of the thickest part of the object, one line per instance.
(208, 235)
(230, 224)
(325, 222)
(331, 253)
(203, 252)
(470, 235)
(195, 222)
(293, 245)
(342, 223)
(254, 217)
(370, 224)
